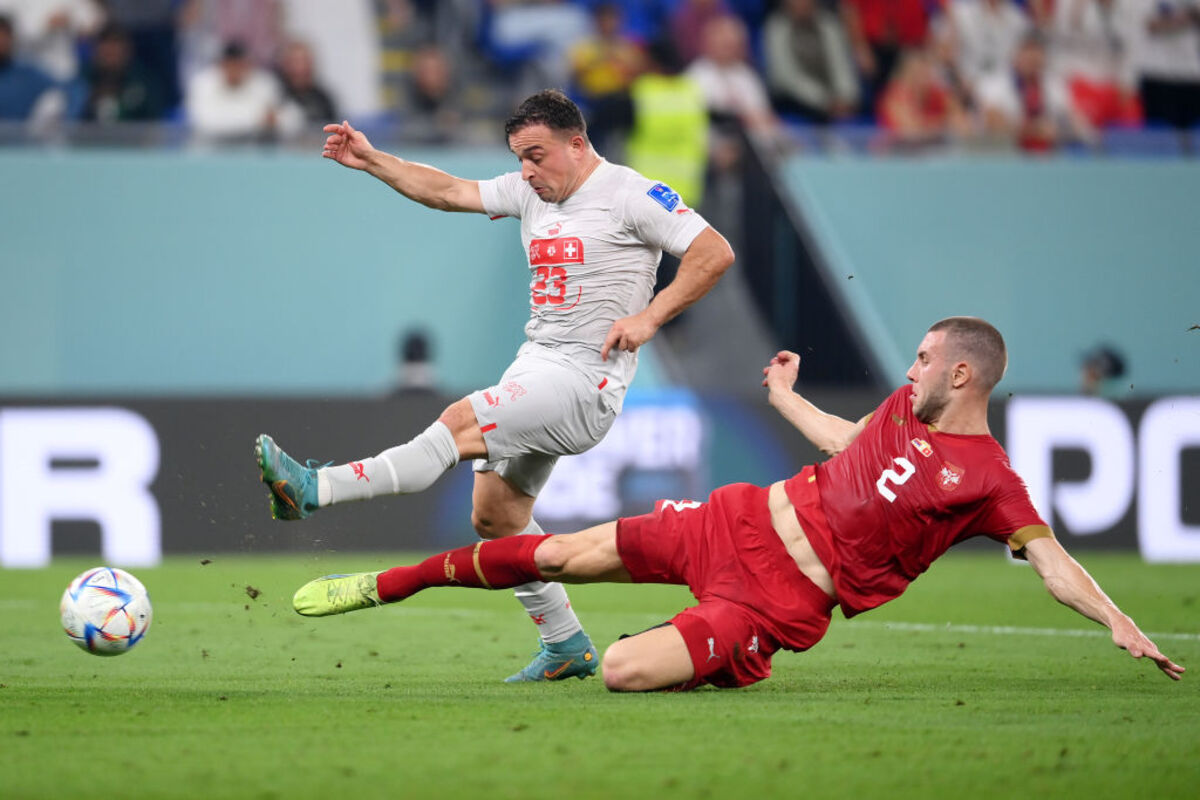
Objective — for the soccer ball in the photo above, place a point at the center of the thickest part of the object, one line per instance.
(106, 611)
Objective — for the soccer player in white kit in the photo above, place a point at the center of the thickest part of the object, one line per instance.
(594, 233)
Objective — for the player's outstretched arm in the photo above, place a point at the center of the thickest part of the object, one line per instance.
(705, 261)
(1070, 584)
(426, 185)
(829, 433)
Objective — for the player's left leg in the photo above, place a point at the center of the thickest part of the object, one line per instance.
(501, 509)
(586, 557)
(654, 659)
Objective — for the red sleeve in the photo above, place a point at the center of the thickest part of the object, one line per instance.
(1010, 517)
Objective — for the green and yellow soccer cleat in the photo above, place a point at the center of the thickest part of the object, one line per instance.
(574, 657)
(337, 594)
(293, 487)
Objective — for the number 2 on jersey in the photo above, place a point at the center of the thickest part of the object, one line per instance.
(550, 287)
(898, 478)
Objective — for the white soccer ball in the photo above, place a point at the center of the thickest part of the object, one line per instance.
(106, 611)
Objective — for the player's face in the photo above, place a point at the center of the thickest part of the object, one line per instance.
(930, 376)
(550, 160)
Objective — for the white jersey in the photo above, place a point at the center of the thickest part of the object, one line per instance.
(593, 259)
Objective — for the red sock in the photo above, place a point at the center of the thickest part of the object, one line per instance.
(494, 564)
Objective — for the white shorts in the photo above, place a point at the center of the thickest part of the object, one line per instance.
(541, 409)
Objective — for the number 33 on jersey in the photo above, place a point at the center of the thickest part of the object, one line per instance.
(549, 259)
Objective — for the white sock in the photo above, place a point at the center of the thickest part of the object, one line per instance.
(547, 603)
(409, 468)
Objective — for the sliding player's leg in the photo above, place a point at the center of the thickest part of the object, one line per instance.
(299, 490)
(586, 557)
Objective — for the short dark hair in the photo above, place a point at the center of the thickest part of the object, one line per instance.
(6, 23)
(549, 107)
(977, 342)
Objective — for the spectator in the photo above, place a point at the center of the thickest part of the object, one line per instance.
(1091, 47)
(414, 364)
(810, 69)
(151, 27)
(984, 35)
(47, 32)
(1098, 368)
(433, 97)
(305, 102)
(733, 91)
(688, 23)
(670, 135)
(233, 100)
(879, 31)
(1028, 107)
(538, 34)
(206, 25)
(603, 67)
(916, 108)
(347, 46)
(1167, 61)
(118, 89)
(26, 93)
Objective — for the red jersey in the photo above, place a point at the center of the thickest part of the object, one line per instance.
(900, 495)
(899, 22)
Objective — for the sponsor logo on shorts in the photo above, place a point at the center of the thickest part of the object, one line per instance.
(514, 390)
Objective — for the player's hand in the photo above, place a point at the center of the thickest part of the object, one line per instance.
(780, 375)
(1127, 637)
(347, 146)
(628, 333)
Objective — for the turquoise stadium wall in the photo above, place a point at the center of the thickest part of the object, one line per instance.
(1060, 255)
(165, 273)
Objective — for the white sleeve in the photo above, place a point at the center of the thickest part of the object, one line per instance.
(658, 216)
(503, 196)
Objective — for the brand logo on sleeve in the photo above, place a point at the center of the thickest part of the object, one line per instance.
(665, 196)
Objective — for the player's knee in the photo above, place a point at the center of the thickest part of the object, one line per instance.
(552, 556)
(620, 670)
(488, 526)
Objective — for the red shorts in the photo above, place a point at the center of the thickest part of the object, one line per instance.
(753, 598)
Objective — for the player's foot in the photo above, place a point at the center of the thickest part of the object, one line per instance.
(293, 487)
(337, 594)
(574, 657)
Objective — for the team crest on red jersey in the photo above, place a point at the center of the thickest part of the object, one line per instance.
(923, 447)
(951, 476)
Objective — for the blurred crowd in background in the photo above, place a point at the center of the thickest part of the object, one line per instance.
(1028, 75)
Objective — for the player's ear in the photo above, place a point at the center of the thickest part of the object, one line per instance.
(960, 374)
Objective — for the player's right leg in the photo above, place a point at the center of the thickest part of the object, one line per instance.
(299, 490)
(586, 557)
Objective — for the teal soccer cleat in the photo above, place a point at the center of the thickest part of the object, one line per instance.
(293, 487)
(574, 657)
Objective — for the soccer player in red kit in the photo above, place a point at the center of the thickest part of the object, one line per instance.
(769, 564)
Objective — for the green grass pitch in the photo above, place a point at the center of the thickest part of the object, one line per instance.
(234, 696)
